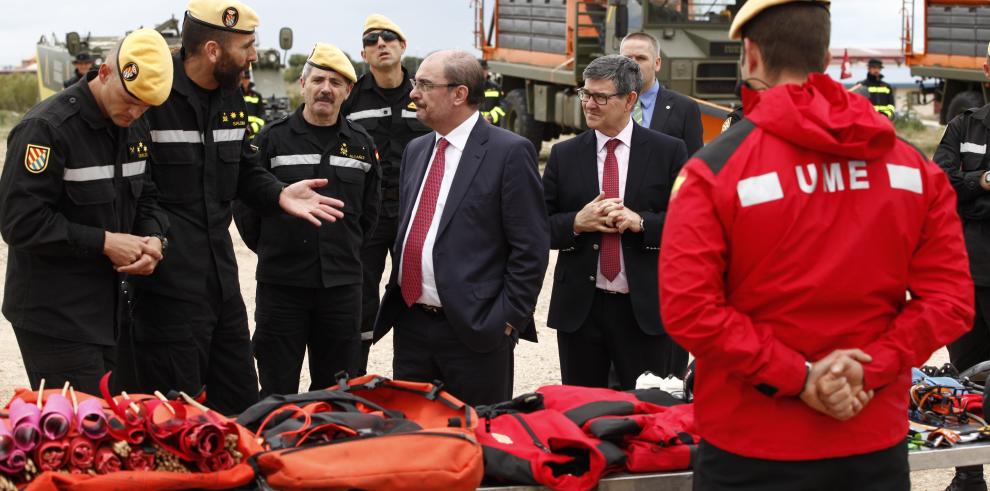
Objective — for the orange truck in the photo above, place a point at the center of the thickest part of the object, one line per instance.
(953, 49)
(539, 48)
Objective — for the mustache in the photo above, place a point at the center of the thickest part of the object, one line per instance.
(324, 97)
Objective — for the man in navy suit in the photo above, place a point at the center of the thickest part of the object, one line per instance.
(659, 108)
(606, 194)
(473, 241)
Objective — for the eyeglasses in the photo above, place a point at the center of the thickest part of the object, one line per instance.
(424, 86)
(600, 99)
(371, 37)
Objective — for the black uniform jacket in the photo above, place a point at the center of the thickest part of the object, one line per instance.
(71, 175)
(392, 125)
(571, 181)
(962, 153)
(202, 162)
(291, 251)
(678, 116)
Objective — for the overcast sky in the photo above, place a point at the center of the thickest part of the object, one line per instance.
(429, 24)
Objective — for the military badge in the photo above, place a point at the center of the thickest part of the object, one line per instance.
(412, 105)
(129, 72)
(36, 158)
(230, 17)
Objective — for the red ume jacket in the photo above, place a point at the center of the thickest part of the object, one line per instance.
(795, 233)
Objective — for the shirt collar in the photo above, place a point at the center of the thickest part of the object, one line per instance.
(648, 98)
(624, 136)
(458, 137)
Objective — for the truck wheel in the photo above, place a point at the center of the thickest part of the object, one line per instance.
(519, 120)
(963, 101)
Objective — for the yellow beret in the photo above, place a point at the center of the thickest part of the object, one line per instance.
(228, 15)
(144, 64)
(752, 8)
(379, 21)
(330, 57)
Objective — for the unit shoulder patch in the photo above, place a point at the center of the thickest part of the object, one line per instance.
(36, 158)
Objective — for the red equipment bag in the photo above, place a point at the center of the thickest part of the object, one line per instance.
(369, 433)
(540, 448)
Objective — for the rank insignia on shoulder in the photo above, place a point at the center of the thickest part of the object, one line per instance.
(412, 105)
(36, 158)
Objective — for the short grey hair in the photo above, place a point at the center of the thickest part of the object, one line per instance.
(621, 71)
(305, 71)
(461, 68)
(645, 36)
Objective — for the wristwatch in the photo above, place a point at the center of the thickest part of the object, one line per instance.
(164, 242)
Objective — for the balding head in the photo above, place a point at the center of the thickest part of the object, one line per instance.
(450, 86)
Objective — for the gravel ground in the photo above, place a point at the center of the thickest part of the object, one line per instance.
(535, 364)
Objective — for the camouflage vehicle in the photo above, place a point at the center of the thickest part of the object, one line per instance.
(55, 63)
(541, 47)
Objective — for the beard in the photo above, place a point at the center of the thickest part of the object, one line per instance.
(227, 72)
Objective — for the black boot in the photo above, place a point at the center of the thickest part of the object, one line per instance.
(968, 478)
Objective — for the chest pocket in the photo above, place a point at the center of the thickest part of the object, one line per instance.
(174, 171)
(294, 168)
(972, 155)
(229, 161)
(350, 176)
(90, 202)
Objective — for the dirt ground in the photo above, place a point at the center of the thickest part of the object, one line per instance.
(535, 364)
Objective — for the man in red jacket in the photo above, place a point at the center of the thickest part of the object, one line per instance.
(789, 244)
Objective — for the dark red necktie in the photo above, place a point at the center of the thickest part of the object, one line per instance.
(412, 255)
(609, 257)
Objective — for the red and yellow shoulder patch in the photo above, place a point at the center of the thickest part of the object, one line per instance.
(36, 158)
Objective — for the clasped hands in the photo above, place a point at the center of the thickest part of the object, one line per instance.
(606, 215)
(835, 384)
(132, 254)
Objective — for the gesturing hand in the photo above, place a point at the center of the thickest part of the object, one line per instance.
(592, 216)
(301, 201)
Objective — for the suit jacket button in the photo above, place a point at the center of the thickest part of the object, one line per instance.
(591, 278)
(595, 247)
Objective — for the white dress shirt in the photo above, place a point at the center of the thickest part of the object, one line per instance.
(456, 140)
(622, 156)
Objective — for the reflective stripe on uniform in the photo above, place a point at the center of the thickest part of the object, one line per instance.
(968, 147)
(878, 90)
(301, 159)
(250, 99)
(233, 135)
(492, 93)
(408, 114)
(904, 177)
(103, 172)
(176, 136)
(370, 113)
(352, 163)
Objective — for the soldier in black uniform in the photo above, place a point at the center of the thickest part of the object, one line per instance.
(309, 279)
(962, 153)
(380, 103)
(254, 104)
(190, 324)
(880, 94)
(82, 64)
(79, 213)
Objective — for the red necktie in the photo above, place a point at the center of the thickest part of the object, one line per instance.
(608, 260)
(412, 255)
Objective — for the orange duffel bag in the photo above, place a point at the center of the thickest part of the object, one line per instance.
(368, 433)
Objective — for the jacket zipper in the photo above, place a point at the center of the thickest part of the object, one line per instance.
(532, 434)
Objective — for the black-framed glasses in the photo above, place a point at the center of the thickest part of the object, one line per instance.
(600, 99)
(371, 37)
(424, 86)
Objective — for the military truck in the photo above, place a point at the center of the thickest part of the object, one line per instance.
(954, 37)
(541, 47)
(55, 63)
